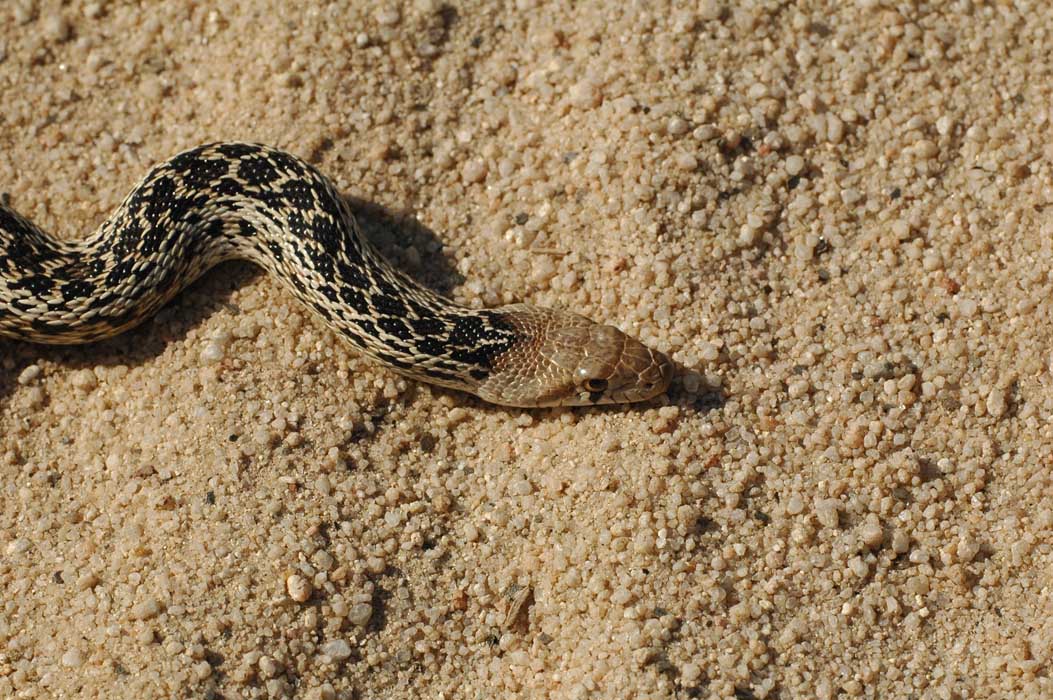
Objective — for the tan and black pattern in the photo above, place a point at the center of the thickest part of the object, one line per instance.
(233, 200)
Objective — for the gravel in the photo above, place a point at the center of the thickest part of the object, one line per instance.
(834, 217)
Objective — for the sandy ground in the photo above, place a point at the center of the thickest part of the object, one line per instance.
(836, 217)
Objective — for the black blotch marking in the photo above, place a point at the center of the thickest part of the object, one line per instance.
(353, 277)
(389, 306)
(36, 284)
(202, 172)
(119, 273)
(395, 327)
(182, 161)
(431, 345)
(230, 187)
(467, 330)
(478, 374)
(299, 194)
(238, 150)
(355, 299)
(257, 171)
(76, 289)
(246, 229)
(288, 164)
(296, 224)
(324, 264)
(426, 326)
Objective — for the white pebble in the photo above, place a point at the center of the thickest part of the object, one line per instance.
(359, 614)
(299, 588)
(710, 9)
(29, 374)
(826, 512)
(794, 165)
(474, 171)
(213, 352)
(56, 28)
(677, 126)
(686, 161)
(337, 649)
(387, 16)
(85, 379)
(72, 658)
(996, 403)
(18, 546)
(585, 94)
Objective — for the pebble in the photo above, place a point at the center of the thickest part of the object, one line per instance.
(388, 16)
(30, 374)
(585, 94)
(299, 588)
(474, 171)
(84, 379)
(73, 659)
(337, 649)
(359, 614)
(269, 667)
(56, 28)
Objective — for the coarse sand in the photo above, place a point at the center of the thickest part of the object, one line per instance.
(837, 218)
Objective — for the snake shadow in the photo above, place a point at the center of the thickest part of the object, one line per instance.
(395, 233)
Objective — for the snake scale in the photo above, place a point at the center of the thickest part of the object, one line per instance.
(226, 201)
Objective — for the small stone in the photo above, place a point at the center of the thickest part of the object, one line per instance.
(710, 9)
(795, 505)
(585, 94)
(212, 353)
(359, 614)
(794, 165)
(56, 28)
(996, 405)
(147, 609)
(72, 658)
(299, 588)
(872, 535)
(85, 380)
(269, 668)
(967, 550)
(826, 512)
(387, 16)
(337, 649)
(678, 126)
(686, 161)
(29, 374)
(474, 171)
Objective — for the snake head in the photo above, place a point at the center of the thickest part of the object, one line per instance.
(563, 359)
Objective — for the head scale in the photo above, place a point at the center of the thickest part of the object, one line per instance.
(563, 359)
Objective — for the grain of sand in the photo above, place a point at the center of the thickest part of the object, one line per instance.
(836, 217)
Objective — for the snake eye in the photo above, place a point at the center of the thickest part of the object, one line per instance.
(595, 385)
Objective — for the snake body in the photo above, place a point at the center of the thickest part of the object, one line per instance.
(227, 201)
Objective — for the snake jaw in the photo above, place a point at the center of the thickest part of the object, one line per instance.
(563, 359)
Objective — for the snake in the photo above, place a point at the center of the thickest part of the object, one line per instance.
(231, 200)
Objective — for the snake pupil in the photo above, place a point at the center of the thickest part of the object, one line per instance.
(594, 385)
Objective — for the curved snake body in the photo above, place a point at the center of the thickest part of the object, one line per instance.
(233, 200)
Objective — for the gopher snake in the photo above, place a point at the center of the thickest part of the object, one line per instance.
(233, 200)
